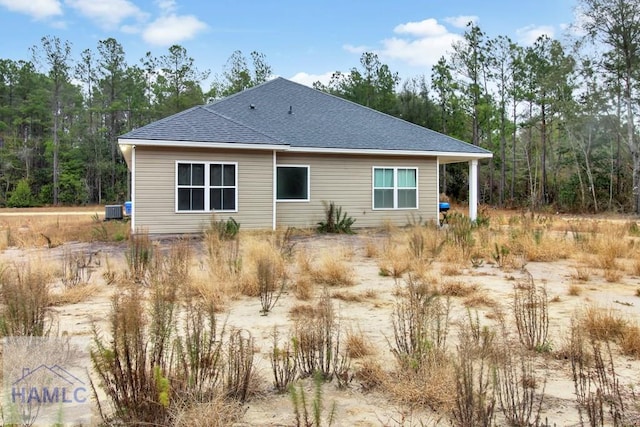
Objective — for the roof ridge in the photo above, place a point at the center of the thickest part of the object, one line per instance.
(243, 91)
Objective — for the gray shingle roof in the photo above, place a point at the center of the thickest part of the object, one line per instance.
(199, 124)
(289, 113)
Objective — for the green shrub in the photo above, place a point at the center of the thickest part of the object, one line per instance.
(225, 230)
(21, 196)
(335, 220)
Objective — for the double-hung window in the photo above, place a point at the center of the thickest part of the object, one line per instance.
(395, 188)
(206, 186)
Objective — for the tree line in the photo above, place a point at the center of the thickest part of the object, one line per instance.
(559, 116)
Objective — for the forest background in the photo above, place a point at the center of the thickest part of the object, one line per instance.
(559, 116)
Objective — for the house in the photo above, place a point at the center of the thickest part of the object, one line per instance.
(271, 155)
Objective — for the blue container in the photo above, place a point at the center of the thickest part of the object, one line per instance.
(444, 206)
(127, 208)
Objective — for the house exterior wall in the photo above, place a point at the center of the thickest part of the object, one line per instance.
(155, 189)
(347, 180)
(343, 179)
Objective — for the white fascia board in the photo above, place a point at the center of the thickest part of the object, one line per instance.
(195, 144)
(465, 156)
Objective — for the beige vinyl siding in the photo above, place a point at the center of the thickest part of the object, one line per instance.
(155, 189)
(347, 181)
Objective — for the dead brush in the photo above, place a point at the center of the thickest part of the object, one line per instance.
(317, 343)
(263, 274)
(420, 322)
(78, 267)
(239, 371)
(139, 255)
(531, 313)
(475, 392)
(26, 296)
(516, 384)
(283, 363)
(599, 393)
(146, 368)
(224, 260)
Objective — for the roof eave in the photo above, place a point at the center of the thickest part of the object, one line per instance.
(201, 144)
(444, 156)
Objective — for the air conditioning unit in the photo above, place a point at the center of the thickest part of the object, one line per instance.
(112, 212)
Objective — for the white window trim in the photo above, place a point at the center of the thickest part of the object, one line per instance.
(395, 188)
(308, 199)
(207, 187)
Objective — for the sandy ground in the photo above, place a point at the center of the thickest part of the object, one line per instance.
(354, 406)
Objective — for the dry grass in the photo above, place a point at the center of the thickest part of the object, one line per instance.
(219, 412)
(630, 341)
(333, 270)
(394, 261)
(612, 275)
(370, 374)
(358, 345)
(371, 248)
(457, 288)
(75, 294)
(582, 273)
(603, 324)
(480, 299)
(431, 385)
(302, 287)
(574, 290)
(451, 269)
(347, 296)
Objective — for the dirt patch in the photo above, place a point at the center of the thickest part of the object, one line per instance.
(356, 405)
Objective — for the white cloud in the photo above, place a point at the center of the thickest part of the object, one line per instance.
(529, 34)
(172, 29)
(355, 49)
(167, 6)
(37, 9)
(310, 79)
(461, 21)
(426, 28)
(107, 13)
(418, 44)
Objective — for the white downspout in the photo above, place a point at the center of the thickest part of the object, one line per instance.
(273, 225)
(438, 189)
(473, 189)
(133, 189)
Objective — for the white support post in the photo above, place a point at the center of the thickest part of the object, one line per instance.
(473, 189)
(273, 196)
(133, 189)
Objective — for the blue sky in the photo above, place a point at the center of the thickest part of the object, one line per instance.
(303, 41)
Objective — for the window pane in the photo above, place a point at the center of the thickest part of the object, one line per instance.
(184, 199)
(229, 199)
(407, 199)
(383, 178)
(229, 178)
(197, 177)
(292, 183)
(407, 178)
(197, 199)
(215, 175)
(184, 174)
(215, 199)
(383, 199)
